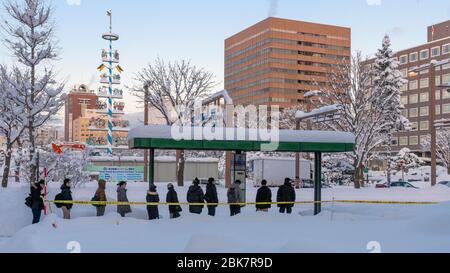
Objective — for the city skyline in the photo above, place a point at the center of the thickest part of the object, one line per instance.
(147, 33)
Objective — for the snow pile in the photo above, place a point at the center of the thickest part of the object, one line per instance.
(14, 215)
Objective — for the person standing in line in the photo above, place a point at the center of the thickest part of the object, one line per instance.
(264, 195)
(66, 195)
(100, 195)
(122, 197)
(234, 196)
(286, 193)
(211, 196)
(172, 197)
(37, 200)
(152, 197)
(195, 195)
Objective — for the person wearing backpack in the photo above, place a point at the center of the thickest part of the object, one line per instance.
(172, 197)
(234, 196)
(211, 196)
(37, 200)
(195, 195)
(152, 197)
(100, 195)
(65, 195)
(122, 197)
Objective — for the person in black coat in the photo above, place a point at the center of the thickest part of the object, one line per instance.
(66, 195)
(286, 193)
(37, 200)
(172, 197)
(211, 196)
(195, 195)
(152, 197)
(264, 195)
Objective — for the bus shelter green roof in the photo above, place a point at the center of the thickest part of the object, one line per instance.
(232, 139)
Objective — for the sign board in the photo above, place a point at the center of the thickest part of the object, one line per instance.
(366, 170)
(116, 174)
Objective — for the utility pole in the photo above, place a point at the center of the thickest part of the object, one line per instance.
(432, 124)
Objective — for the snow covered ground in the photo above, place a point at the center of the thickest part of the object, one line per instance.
(340, 227)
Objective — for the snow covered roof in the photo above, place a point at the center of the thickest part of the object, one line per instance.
(204, 138)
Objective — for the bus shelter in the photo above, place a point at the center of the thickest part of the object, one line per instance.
(240, 140)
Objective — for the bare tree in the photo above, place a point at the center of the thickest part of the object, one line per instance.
(174, 86)
(29, 35)
(349, 88)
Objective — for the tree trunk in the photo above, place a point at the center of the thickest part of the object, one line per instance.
(7, 165)
(180, 167)
(358, 176)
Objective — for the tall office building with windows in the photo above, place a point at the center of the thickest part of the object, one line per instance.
(276, 61)
(416, 93)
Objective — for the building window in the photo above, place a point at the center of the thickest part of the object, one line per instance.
(414, 112)
(435, 51)
(445, 94)
(404, 87)
(424, 97)
(423, 139)
(394, 141)
(413, 57)
(405, 113)
(404, 100)
(404, 59)
(424, 83)
(413, 85)
(446, 49)
(446, 109)
(424, 126)
(424, 54)
(438, 80)
(404, 72)
(414, 126)
(424, 111)
(438, 109)
(413, 98)
(446, 66)
(438, 94)
(403, 141)
(446, 79)
(413, 140)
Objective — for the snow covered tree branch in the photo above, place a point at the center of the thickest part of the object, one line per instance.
(29, 35)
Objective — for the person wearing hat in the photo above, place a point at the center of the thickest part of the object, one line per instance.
(211, 196)
(37, 200)
(264, 195)
(152, 197)
(195, 195)
(286, 193)
(122, 197)
(234, 196)
(172, 197)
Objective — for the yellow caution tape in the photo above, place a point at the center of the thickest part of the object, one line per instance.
(103, 203)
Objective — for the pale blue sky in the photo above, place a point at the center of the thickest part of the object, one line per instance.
(196, 29)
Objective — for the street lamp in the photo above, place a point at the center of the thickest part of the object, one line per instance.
(432, 79)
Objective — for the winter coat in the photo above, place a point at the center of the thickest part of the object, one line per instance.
(100, 192)
(195, 195)
(234, 193)
(172, 197)
(36, 197)
(66, 195)
(152, 210)
(122, 197)
(211, 194)
(264, 195)
(286, 193)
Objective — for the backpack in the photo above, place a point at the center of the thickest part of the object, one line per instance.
(28, 201)
(59, 197)
(231, 193)
(95, 199)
